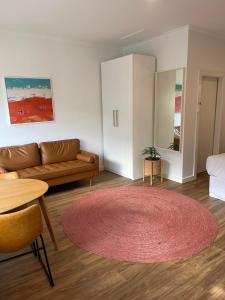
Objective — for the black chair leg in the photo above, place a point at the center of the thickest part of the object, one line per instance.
(46, 270)
(33, 248)
(36, 251)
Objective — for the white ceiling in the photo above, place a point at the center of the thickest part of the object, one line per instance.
(108, 21)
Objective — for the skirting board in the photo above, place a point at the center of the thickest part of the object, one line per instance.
(179, 179)
(189, 178)
(216, 197)
(172, 178)
(119, 173)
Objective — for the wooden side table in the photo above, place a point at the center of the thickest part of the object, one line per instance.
(152, 168)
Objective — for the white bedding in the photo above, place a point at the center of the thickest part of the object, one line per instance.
(217, 188)
(215, 165)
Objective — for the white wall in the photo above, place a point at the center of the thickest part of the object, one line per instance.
(171, 50)
(75, 72)
(205, 53)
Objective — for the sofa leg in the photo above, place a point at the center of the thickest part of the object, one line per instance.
(91, 181)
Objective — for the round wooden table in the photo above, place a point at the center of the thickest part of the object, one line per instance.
(18, 192)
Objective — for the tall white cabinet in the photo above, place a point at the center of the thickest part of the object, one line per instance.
(127, 106)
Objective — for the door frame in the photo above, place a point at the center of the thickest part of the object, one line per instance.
(218, 117)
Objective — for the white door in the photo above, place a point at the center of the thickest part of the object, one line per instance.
(207, 120)
(117, 96)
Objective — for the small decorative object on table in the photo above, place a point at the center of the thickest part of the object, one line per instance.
(152, 165)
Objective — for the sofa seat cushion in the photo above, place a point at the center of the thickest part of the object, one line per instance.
(45, 172)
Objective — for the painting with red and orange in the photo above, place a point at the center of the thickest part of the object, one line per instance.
(29, 100)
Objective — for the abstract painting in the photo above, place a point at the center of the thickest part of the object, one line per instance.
(29, 99)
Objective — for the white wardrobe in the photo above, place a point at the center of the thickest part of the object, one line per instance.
(127, 106)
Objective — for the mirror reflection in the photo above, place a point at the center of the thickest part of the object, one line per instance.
(168, 109)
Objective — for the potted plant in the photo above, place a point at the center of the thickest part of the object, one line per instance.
(152, 153)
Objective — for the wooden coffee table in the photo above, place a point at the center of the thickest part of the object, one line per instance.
(18, 192)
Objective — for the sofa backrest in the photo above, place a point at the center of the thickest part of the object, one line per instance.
(59, 151)
(19, 157)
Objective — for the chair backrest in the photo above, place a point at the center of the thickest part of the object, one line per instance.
(19, 229)
(9, 175)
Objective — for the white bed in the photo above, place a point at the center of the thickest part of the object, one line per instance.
(215, 166)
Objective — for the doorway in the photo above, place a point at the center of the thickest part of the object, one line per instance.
(207, 118)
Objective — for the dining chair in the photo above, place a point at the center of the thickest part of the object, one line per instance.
(21, 229)
(9, 175)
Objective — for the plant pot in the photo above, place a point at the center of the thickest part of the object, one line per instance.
(152, 158)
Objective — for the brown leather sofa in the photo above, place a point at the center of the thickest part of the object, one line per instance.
(55, 162)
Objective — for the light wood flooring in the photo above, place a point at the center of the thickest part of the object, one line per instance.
(80, 275)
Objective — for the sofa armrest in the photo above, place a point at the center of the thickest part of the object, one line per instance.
(85, 157)
(88, 157)
(2, 170)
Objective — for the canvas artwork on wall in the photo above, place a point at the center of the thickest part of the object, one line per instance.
(29, 99)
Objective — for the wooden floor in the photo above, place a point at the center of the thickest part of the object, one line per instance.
(80, 275)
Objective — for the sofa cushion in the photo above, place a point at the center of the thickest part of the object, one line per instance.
(85, 157)
(59, 151)
(51, 171)
(19, 157)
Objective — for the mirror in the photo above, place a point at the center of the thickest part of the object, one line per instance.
(168, 109)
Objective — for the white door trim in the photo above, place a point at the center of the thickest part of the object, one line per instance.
(219, 105)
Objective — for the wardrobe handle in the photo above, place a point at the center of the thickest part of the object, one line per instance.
(114, 119)
(117, 118)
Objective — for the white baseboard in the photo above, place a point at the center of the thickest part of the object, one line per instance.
(180, 179)
(169, 177)
(173, 178)
(188, 179)
(216, 196)
(118, 173)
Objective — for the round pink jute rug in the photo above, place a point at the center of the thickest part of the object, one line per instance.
(140, 224)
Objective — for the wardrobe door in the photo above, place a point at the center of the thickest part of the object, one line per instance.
(143, 99)
(117, 94)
